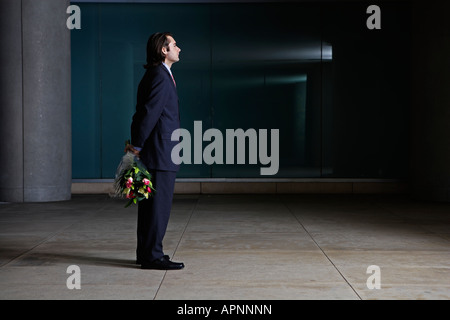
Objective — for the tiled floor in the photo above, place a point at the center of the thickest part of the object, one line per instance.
(234, 247)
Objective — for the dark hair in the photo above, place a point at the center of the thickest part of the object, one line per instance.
(155, 44)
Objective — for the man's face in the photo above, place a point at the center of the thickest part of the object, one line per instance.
(172, 53)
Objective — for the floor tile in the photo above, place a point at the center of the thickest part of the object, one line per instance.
(259, 275)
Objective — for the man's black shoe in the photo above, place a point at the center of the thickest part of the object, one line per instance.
(139, 261)
(162, 264)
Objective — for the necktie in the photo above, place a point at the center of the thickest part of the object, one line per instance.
(173, 80)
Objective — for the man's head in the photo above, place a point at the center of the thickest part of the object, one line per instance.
(161, 47)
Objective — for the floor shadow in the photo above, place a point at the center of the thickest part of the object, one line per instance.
(41, 259)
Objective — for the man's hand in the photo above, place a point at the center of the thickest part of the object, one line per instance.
(130, 148)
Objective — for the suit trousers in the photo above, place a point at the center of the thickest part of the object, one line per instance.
(153, 216)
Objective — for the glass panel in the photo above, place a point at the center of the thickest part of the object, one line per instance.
(337, 92)
(125, 29)
(86, 112)
(266, 76)
(366, 92)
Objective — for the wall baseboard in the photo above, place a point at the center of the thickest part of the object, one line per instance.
(250, 186)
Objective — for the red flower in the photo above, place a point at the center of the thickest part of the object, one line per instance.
(129, 182)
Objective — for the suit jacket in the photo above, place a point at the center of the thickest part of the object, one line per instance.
(156, 117)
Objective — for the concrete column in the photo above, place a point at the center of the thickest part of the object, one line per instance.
(430, 136)
(11, 113)
(36, 109)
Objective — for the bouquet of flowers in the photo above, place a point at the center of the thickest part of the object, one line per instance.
(133, 181)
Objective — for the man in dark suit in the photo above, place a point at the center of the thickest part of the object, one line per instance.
(156, 117)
